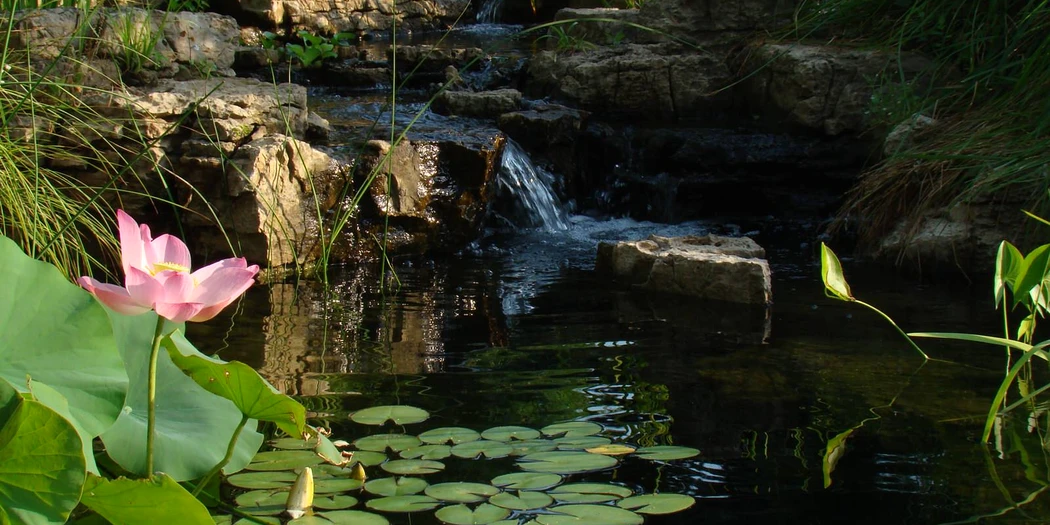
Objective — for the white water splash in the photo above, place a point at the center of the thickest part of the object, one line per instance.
(489, 12)
(532, 187)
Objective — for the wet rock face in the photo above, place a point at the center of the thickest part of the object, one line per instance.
(328, 17)
(709, 267)
(484, 104)
(690, 17)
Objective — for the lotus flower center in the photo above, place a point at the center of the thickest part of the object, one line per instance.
(161, 266)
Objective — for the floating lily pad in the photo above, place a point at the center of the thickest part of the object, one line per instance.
(435, 452)
(572, 429)
(484, 447)
(406, 467)
(262, 502)
(590, 492)
(289, 443)
(354, 517)
(484, 514)
(403, 503)
(581, 443)
(333, 485)
(398, 414)
(262, 480)
(284, 460)
(265, 519)
(445, 435)
(589, 514)
(657, 503)
(565, 462)
(396, 486)
(461, 492)
(310, 520)
(531, 446)
(383, 442)
(334, 502)
(527, 481)
(613, 449)
(508, 433)
(523, 500)
(222, 519)
(666, 453)
(367, 458)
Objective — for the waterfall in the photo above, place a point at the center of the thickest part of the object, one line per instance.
(489, 11)
(532, 189)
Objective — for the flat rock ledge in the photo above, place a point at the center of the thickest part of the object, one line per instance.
(730, 269)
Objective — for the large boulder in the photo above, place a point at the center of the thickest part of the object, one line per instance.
(692, 17)
(709, 267)
(484, 104)
(333, 16)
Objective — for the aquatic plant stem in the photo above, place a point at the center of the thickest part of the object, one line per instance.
(225, 459)
(151, 399)
(902, 332)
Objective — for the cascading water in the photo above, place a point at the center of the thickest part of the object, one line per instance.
(532, 189)
(489, 12)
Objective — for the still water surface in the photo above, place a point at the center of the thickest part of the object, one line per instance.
(518, 330)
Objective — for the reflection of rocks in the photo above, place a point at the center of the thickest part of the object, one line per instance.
(723, 322)
(287, 338)
(709, 267)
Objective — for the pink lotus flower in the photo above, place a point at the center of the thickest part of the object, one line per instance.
(157, 277)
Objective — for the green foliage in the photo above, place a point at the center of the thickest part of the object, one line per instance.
(138, 40)
(564, 41)
(158, 499)
(313, 49)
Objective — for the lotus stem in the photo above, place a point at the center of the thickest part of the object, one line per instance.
(151, 413)
(225, 459)
(902, 332)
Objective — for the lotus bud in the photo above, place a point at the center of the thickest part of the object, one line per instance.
(301, 497)
(359, 473)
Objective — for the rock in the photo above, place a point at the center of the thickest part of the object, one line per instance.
(708, 267)
(692, 17)
(329, 17)
(550, 130)
(605, 26)
(902, 136)
(650, 82)
(486, 104)
(317, 128)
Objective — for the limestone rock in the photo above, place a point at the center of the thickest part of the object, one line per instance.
(690, 17)
(486, 104)
(333, 16)
(902, 136)
(708, 267)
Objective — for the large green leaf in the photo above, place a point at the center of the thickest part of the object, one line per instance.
(1009, 264)
(239, 383)
(42, 467)
(833, 453)
(57, 334)
(835, 284)
(144, 501)
(194, 426)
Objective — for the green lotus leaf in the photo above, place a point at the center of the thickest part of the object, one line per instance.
(193, 426)
(265, 519)
(434, 452)
(404, 467)
(590, 492)
(666, 453)
(398, 414)
(508, 433)
(461, 492)
(354, 517)
(334, 501)
(565, 462)
(403, 503)
(222, 519)
(263, 502)
(527, 481)
(446, 435)
(589, 514)
(240, 383)
(484, 514)
(368, 458)
(484, 447)
(396, 486)
(42, 465)
(262, 480)
(289, 443)
(523, 500)
(531, 446)
(581, 443)
(327, 450)
(58, 335)
(384, 442)
(128, 500)
(284, 460)
(572, 429)
(657, 503)
(329, 471)
(331, 485)
(310, 520)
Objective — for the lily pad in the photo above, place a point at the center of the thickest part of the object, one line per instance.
(613, 449)
(522, 501)
(434, 452)
(403, 504)
(265, 519)
(334, 502)
(310, 520)
(565, 462)
(527, 481)
(581, 443)
(333, 485)
(128, 500)
(406, 467)
(368, 458)
(384, 442)
(262, 480)
(461, 492)
(657, 503)
(283, 460)
(396, 486)
(531, 446)
(590, 492)
(589, 514)
(666, 453)
(262, 502)
(507, 433)
(398, 414)
(484, 447)
(354, 517)
(453, 435)
(291, 444)
(572, 429)
(484, 514)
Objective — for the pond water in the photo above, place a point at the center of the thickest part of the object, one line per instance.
(518, 330)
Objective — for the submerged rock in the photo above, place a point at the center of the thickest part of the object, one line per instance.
(709, 267)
